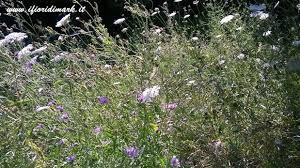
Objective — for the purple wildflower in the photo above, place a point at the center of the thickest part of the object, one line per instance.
(60, 108)
(61, 142)
(170, 106)
(64, 116)
(103, 100)
(97, 130)
(29, 65)
(71, 158)
(140, 98)
(175, 162)
(51, 103)
(132, 152)
(39, 126)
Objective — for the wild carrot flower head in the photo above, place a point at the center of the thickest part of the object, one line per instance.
(12, 37)
(63, 21)
(227, 19)
(148, 94)
(119, 21)
(25, 51)
(132, 152)
(103, 100)
(175, 162)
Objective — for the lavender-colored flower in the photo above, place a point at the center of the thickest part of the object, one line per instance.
(217, 145)
(132, 152)
(61, 142)
(60, 108)
(39, 126)
(103, 100)
(97, 130)
(29, 65)
(65, 116)
(175, 162)
(71, 158)
(170, 106)
(25, 51)
(51, 103)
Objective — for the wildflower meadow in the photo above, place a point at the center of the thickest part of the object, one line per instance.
(188, 87)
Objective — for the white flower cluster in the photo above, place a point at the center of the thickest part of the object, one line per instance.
(13, 37)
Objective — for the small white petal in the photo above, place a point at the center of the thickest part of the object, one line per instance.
(192, 82)
(186, 16)
(119, 21)
(40, 90)
(221, 62)
(239, 28)
(227, 19)
(63, 21)
(195, 2)
(106, 66)
(195, 38)
(241, 56)
(154, 13)
(267, 33)
(172, 14)
(42, 108)
(124, 30)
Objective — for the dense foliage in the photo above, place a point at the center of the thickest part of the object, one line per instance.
(216, 92)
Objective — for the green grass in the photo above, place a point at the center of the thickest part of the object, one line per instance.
(249, 106)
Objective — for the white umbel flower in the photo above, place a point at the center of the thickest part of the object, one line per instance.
(25, 51)
(240, 56)
(172, 14)
(261, 15)
(63, 21)
(60, 57)
(227, 19)
(39, 50)
(13, 37)
(149, 94)
(119, 21)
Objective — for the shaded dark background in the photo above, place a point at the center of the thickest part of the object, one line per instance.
(110, 10)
